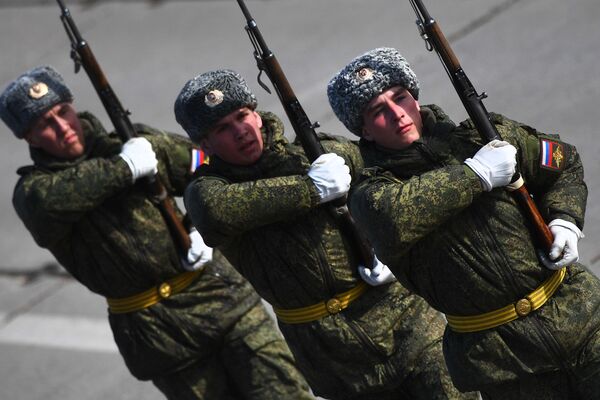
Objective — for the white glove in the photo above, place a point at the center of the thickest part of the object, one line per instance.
(566, 236)
(139, 156)
(198, 254)
(380, 274)
(331, 176)
(494, 163)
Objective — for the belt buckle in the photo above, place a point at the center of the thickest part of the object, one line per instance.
(334, 306)
(164, 290)
(523, 307)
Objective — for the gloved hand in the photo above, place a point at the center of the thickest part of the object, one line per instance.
(494, 163)
(331, 176)
(139, 156)
(380, 274)
(566, 236)
(198, 254)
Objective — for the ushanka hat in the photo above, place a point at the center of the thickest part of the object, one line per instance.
(363, 79)
(30, 95)
(208, 97)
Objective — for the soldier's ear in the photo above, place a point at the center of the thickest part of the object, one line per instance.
(366, 135)
(259, 122)
(30, 139)
(206, 146)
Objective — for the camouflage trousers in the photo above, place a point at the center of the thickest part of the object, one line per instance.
(429, 380)
(556, 385)
(254, 363)
(552, 354)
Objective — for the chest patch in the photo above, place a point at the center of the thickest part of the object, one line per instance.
(552, 155)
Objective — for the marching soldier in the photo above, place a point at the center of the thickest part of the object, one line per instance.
(193, 326)
(433, 202)
(261, 203)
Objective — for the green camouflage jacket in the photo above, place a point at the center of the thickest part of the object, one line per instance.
(266, 219)
(468, 252)
(111, 237)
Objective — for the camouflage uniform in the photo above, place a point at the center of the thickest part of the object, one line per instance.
(468, 252)
(267, 221)
(213, 340)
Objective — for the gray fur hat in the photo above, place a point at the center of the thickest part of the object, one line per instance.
(208, 97)
(30, 95)
(363, 79)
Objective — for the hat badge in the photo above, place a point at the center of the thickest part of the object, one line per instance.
(364, 74)
(213, 98)
(38, 90)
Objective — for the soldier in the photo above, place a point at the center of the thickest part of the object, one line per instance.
(194, 327)
(433, 202)
(260, 202)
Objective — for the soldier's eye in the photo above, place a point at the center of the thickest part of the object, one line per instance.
(218, 129)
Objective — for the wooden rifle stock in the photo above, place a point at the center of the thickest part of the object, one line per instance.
(305, 130)
(82, 55)
(472, 101)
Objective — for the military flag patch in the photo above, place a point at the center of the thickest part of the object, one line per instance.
(198, 158)
(552, 155)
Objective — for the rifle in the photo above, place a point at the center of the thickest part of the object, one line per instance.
(305, 130)
(82, 55)
(472, 101)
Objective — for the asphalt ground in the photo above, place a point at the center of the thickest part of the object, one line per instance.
(536, 59)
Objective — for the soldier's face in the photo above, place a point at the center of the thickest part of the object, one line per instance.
(393, 119)
(58, 132)
(236, 138)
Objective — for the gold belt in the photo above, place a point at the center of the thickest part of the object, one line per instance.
(153, 295)
(317, 311)
(521, 308)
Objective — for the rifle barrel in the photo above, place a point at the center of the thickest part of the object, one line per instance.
(305, 132)
(433, 35)
(82, 53)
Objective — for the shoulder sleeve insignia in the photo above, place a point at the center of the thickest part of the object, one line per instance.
(552, 154)
(198, 158)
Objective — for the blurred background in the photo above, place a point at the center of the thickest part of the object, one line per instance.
(536, 59)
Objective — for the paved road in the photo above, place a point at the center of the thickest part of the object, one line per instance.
(537, 59)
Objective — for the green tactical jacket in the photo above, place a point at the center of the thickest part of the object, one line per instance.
(108, 234)
(266, 219)
(468, 252)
